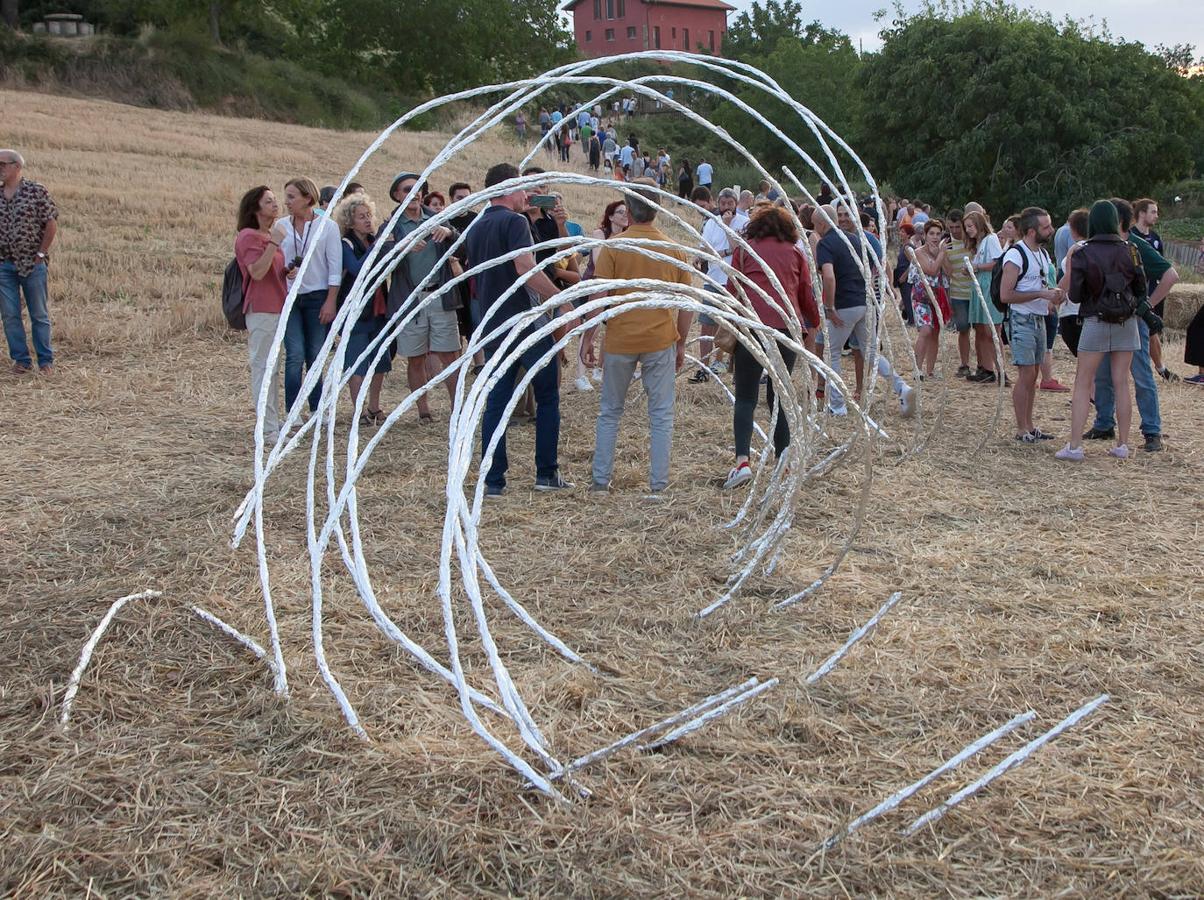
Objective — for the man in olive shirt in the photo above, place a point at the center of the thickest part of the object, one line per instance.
(654, 339)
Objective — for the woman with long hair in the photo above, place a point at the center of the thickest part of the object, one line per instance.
(1105, 266)
(685, 179)
(261, 262)
(356, 218)
(614, 222)
(985, 251)
(931, 266)
(773, 238)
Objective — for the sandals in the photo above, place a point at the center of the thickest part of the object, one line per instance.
(371, 418)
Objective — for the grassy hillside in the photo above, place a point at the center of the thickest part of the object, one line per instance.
(1027, 585)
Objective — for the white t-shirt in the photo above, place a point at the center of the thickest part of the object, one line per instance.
(704, 174)
(719, 240)
(1032, 280)
(326, 267)
(1068, 308)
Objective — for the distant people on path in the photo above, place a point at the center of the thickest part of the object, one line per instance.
(261, 261)
(317, 293)
(1105, 265)
(652, 339)
(520, 126)
(774, 240)
(431, 340)
(356, 217)
(704, 175)
(501, 228)
(28, 225)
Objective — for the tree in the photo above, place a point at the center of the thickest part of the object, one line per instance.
(1009, 108)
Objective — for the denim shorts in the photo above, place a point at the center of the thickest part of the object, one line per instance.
(703, 318)
(1026, 336)
(961, 314)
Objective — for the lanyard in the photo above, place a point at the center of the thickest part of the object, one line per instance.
(304, 242)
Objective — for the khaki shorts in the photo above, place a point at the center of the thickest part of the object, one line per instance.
(434, 329)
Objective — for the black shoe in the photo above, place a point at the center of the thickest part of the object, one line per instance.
(1100, 434)
(699, 377)
(1153, 443)
(1042, 435)
(554, 483)
(962, 372)
(982, 376)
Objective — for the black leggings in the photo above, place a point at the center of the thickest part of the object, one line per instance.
(747, 376)
(1070, 327)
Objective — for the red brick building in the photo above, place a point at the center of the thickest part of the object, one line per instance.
(610, 27)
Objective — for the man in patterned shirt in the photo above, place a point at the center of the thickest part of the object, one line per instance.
(28, 223)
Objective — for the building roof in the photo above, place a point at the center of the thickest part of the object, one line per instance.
(702, 4)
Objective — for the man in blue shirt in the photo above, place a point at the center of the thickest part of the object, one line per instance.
(500, 229)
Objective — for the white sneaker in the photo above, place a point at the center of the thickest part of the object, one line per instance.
(907, 402)
(598, 375)
(741, 474)
(582, 384)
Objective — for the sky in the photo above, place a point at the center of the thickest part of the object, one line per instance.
(1166, 22)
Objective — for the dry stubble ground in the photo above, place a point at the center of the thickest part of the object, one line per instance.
(1027, 583)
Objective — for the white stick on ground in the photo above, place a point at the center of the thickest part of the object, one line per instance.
(668, 722)
(85, 655)
(953, 762)
(229, 630)
(1010, 763)
(831, 661)
(720, 710)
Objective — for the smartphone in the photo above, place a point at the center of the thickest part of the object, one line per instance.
(542, 201)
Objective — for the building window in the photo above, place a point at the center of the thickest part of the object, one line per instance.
(610, 9)
(685, 41)
(656, 36)
(631, 32)
(610, 34)
(597, 10)
(589, 36)
(622, 8)
(712, 42)
(673, 33)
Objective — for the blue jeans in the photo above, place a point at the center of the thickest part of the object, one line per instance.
(659, 378)
(546, 385)
(1143, 384)
(303, 337)
(33, 286)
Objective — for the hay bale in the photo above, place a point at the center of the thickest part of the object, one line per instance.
(1182, 303)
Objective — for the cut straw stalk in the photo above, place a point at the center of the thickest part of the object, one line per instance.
(830, 663)
(953, 762)
(1010, 763)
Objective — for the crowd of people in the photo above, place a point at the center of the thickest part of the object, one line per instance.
(1102, 289)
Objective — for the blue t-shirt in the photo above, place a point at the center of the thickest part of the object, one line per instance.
(850, 283)
(494, 233)
(557, 115)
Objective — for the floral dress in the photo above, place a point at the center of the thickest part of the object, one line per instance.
(925, 315)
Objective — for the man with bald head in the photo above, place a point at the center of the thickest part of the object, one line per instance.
(28, 224)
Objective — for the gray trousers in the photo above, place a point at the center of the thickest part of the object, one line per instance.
(261, 329)
(854, 324)
(659, 377)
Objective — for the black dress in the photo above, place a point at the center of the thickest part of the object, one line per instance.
(1193, 353)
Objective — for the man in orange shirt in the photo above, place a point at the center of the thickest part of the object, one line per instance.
(653, 339)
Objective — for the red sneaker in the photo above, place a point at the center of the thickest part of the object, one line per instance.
(1052, 384)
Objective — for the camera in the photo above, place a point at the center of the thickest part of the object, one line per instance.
(542, 201)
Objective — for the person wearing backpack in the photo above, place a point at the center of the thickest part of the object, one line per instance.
(261, 265)
(1107, 283)
(1022, 288)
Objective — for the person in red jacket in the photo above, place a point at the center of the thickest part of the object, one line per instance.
(773, 237)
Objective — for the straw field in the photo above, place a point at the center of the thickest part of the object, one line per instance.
(1027, 584)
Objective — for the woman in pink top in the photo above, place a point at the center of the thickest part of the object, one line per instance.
(773, 237)
(262, 263)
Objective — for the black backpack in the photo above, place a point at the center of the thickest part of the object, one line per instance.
(1116, 303)
(997, 278)
(234, 297)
